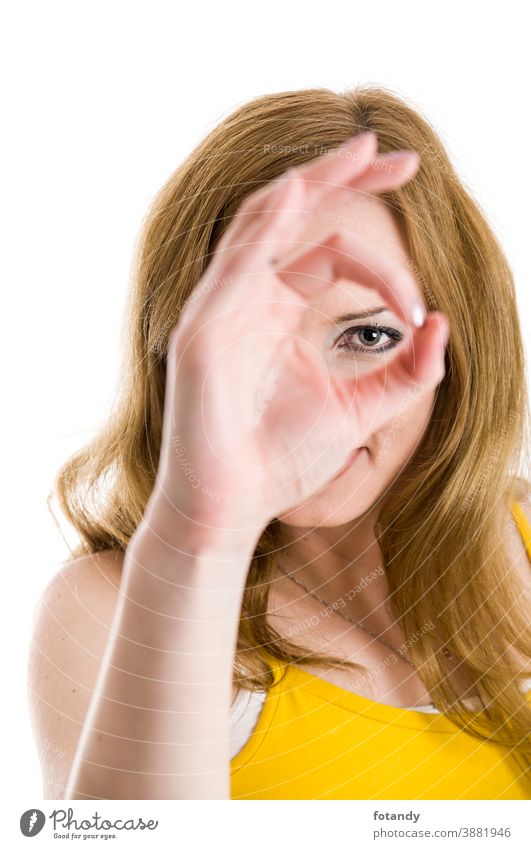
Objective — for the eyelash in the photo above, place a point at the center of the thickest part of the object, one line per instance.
(395, 335)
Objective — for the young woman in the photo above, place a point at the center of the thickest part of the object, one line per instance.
(305, 530)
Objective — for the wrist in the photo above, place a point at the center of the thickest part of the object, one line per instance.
(165, 527)
(170, 534)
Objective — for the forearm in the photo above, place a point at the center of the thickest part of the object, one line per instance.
(158, 725)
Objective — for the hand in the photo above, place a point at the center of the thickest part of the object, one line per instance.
(254, 422)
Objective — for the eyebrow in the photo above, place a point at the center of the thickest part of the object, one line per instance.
(353, 316)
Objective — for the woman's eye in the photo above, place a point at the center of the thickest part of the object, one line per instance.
(367, 339)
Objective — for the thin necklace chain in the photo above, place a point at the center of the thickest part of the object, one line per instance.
(348, 618)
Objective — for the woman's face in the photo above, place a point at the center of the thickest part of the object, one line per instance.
(386, 451)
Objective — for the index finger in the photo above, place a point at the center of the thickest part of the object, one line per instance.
(337, 167)
(344, 254)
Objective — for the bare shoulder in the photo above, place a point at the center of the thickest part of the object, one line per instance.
(71, 627)
(70, 630)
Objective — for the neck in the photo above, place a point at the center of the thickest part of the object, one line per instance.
(341, 562)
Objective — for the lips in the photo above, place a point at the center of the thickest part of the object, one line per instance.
(355, 454)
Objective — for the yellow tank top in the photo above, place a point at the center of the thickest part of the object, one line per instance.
(316, 740)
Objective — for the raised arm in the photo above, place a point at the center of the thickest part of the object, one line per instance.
(253, 425)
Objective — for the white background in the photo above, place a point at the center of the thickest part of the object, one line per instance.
(101, 101)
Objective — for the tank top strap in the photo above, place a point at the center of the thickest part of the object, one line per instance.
(278, 667)
(523, 525)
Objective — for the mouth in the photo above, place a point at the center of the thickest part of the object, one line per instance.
(350, 461)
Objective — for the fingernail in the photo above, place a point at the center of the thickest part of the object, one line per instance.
(418, 313)
(365, 135)
(284, 178)
(354, 140)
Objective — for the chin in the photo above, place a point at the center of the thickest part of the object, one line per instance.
(347, 496)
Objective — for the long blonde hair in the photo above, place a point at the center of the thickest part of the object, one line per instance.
(443, 523)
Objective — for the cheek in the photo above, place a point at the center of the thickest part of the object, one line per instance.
(393, 444)
(359, 487)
